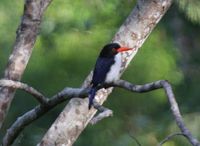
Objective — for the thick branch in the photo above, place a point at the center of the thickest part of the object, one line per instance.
(132, 33)
(40, 110)
(22, 50)
(69, 93)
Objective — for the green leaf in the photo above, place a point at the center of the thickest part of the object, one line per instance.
(191, 8)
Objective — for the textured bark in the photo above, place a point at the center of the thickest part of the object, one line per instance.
(75, 116)
(23, 46)
(35, 113)
(18, 85)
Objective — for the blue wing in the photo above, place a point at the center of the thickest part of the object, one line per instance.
(102, 67)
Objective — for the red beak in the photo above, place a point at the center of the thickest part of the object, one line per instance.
(122, 49)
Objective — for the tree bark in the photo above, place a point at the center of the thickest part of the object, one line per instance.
(22, 50)
(75, 116)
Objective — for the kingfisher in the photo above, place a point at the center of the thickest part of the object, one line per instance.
(107, 68)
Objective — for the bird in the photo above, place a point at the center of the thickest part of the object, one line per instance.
(107, 68)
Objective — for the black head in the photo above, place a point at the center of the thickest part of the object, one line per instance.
(109, 50)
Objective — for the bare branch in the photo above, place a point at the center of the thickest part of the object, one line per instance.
(169, 137)
(40, 110)
(177, 115)
(135, 139)
(134, 31)
(26, 36)
(132, 34)
(137, 88)
(171, 98)
(18, 85)
(69, 93)
(104, 113)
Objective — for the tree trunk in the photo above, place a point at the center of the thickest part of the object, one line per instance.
(23, 46)
(75, 116)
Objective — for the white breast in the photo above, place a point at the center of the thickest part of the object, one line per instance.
(114, 72)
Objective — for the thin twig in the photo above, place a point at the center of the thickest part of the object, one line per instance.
(69, 93)
(177, 115)
(169, 137)
(171, 98)
(104, 113)
(19, 85)
(38, 111)
(135, 139)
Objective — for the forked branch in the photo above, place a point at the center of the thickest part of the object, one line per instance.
(69, 93)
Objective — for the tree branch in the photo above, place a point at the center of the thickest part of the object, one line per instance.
(135, 139)
(38, 111)
(137, 27)
(171, 98)
(18, 85)
(104, 113)
(132, 33)
(69, 93)
(22, 50)
(169, 137)
(177, 115)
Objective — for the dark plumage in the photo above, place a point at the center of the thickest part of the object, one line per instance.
(106, 68)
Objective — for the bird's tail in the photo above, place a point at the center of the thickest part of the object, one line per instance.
(92, 94)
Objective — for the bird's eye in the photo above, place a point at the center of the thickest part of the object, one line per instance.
(114, 50)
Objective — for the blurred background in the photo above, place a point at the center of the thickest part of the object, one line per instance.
(72, 34)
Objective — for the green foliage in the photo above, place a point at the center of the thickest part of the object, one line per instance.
(71, 36)
(191, 8)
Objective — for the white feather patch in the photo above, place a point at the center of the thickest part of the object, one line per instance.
(114, 72)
